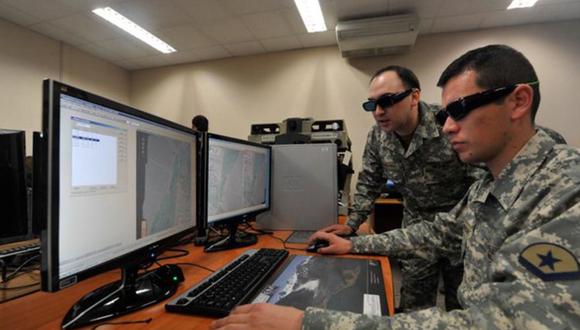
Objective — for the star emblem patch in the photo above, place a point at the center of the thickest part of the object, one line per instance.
(550, 262)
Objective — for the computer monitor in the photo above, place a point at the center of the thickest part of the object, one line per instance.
(120, 189)
(13, 194)
(238, 187)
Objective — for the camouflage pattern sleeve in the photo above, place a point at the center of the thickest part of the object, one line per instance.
(369, 182)
(427, 240)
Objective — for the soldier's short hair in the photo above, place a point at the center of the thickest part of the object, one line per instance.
(495, 66)
(407, 76)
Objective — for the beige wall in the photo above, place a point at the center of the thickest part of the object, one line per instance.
(26, 58)
(234, 93)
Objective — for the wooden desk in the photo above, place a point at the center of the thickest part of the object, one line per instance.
(42, 310)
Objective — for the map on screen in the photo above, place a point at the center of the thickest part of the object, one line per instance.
(164, 179)
(237, 179)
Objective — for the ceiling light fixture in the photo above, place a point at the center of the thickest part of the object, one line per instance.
(311, 15)
(135, 30)
(521, 4)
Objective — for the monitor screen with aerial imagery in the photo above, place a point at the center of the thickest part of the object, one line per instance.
(238, 178)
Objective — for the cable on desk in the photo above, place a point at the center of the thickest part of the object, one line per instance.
(182, 254)
(271, 234)
(21, 272)
(188, 264)
(123, 322)
(256, 230)
(6, 278)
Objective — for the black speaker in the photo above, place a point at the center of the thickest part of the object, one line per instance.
(294, 125)
(13, 194)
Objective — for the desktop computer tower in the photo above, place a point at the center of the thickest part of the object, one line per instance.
(13, 192)
(304, 188)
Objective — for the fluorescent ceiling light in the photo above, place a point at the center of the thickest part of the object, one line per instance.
(311, 15)
(521, 4)
(126, 24)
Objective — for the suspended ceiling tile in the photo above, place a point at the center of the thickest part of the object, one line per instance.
(245, 48)
(508, 17)
(425, 25)
(457, 23)
(267, 25)
(42, 9)
(17, 16)
(318, 39)
(278, 44)
(128, 48)
(203, 11)
(180, 57)
(233, 32)
(185, 37)
(255, 6)
(59, 34)
(87, 27)
(213, 52)
(153, 14)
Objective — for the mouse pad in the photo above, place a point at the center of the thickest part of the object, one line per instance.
(343, 284)
(300, 236)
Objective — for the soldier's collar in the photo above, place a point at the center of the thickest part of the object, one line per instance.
(513, 178)
(427, 127)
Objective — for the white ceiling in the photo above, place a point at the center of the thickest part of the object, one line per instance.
(211, 29)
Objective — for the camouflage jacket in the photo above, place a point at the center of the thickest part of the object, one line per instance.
(520, 246)
(429, 175)
(553, 134)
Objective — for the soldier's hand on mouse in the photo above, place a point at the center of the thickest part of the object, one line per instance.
(336, 244)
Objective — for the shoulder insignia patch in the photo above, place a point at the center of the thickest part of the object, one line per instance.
(550, 262)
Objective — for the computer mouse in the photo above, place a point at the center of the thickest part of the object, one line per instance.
(319, 243)
(171, 274)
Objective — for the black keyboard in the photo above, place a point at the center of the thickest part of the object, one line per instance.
(19, 248)
(232, 285)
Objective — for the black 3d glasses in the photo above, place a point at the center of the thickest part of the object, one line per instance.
(461, 107)
(386, 100)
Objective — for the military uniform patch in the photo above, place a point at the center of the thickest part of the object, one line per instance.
(550, 262)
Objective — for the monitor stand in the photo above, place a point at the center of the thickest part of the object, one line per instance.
(131, 293)
(235, 239)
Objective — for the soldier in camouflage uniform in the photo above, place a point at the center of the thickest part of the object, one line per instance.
(553, 134)
(518, 227)
(407, 146)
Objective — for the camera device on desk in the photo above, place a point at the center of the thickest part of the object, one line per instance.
(306, 131)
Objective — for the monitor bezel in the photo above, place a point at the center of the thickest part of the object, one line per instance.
(244, 216)
(51, 280)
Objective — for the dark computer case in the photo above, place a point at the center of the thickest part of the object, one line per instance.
(13, 193)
